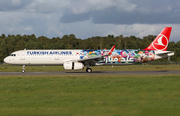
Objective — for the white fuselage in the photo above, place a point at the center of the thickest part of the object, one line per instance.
(41, 57)
(58, 57)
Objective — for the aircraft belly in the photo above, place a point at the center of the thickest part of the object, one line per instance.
(49, 60)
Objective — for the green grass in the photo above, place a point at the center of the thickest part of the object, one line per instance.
(90, 95)
(13, 68)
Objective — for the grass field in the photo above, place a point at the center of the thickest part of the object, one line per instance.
(90, 95)
(7, 68)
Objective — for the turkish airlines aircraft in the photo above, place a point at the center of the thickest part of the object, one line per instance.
(78, 59)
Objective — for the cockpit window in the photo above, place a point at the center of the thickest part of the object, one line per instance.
(12, 54)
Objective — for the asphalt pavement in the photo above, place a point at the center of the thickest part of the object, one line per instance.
(163, 72)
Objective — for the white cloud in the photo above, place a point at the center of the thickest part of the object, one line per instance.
(138, 30)
(16, 2)
(82, 6)
(125, 5)
(54, 27)
(8, 22)
(41, 17)
(27, 28)
(155, 7)
(47, 6)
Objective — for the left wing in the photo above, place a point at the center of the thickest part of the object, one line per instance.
(95, 59)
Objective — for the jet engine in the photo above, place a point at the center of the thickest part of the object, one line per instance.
(73, 65)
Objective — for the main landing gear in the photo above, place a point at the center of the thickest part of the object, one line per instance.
(23, 69)
(88, 70)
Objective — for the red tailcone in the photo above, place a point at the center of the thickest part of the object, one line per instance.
(161, 41)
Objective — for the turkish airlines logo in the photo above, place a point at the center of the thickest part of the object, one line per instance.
(161, 42)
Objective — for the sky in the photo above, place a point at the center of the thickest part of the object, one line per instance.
(88, 18)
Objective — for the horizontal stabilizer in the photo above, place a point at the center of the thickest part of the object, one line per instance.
(163, 54)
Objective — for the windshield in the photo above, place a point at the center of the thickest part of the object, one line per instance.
(12, 55)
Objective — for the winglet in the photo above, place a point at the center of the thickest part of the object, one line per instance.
(112, 49)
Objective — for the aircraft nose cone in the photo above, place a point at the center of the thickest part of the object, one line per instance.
(6, 60)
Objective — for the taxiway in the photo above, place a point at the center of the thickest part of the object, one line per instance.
(163, 72)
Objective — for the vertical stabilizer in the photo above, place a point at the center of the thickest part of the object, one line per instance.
(160, 43)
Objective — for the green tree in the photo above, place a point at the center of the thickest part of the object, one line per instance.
(31, 44)
(20, 45)
(3, 50)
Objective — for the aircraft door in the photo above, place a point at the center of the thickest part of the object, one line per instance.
(22, 56)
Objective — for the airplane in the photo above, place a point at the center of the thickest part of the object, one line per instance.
(78, 59)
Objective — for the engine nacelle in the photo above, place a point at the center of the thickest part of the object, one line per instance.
(73, 65)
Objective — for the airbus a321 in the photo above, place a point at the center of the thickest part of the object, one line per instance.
(78, 59)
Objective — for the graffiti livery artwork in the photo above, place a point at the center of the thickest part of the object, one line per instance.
(120, 56)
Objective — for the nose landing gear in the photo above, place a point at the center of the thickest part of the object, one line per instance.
(23, 69)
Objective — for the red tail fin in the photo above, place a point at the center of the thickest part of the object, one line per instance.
(161, 41)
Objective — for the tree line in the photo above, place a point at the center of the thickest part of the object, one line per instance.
(13, 43)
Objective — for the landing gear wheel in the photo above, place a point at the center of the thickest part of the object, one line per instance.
(88, 70)
(23, 71)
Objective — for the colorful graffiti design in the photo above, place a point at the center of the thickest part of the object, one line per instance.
(120, 56)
